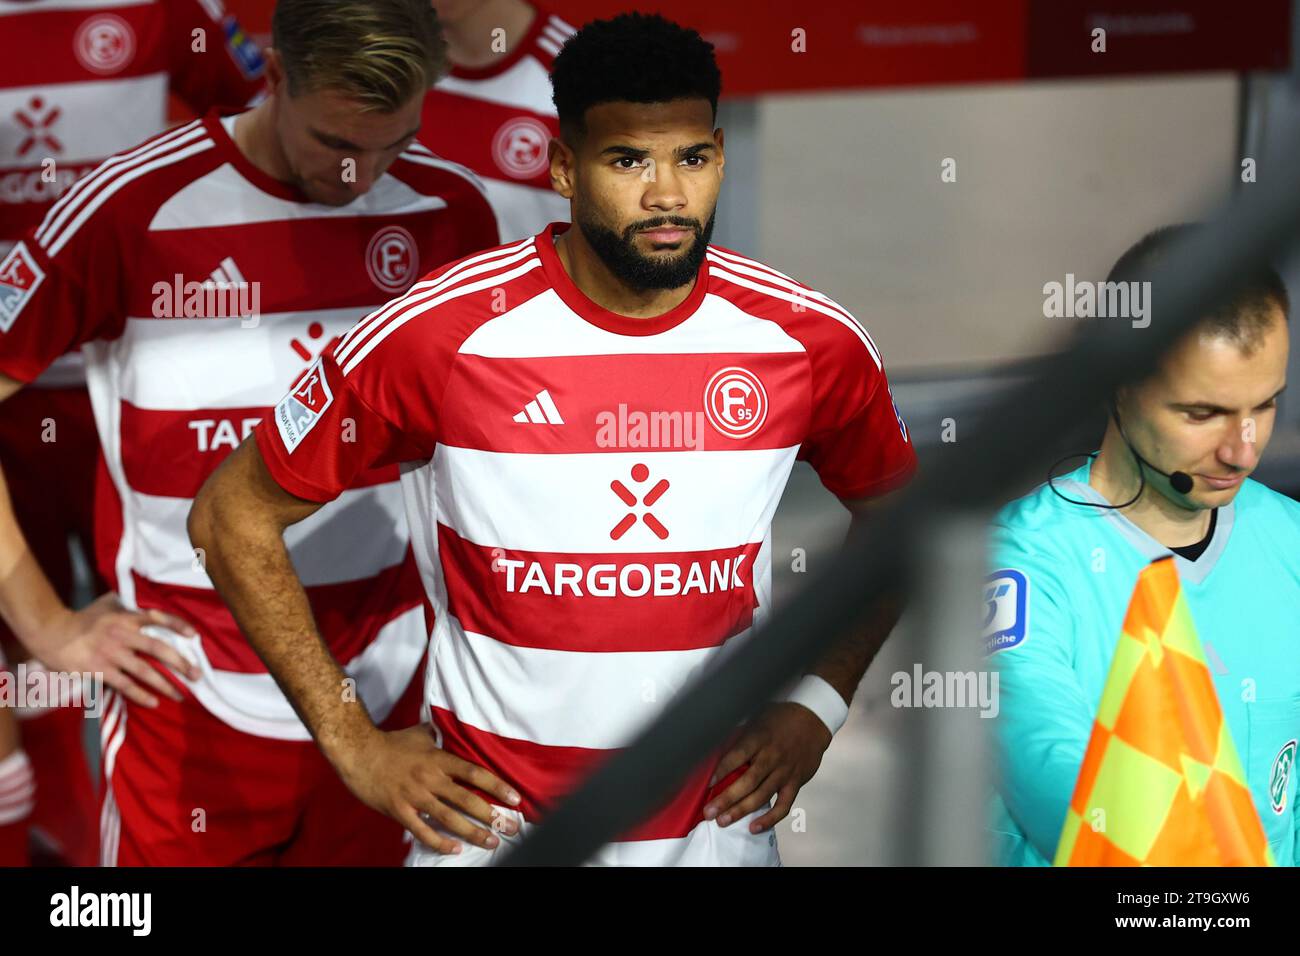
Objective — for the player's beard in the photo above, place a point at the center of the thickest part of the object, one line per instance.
(620, 255)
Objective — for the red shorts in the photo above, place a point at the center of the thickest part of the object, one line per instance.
(65, 823)
(13, 845)
(182, 788)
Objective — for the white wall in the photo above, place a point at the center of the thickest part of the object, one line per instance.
(1051, 178)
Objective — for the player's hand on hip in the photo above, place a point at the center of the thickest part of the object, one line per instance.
(106, 638)
(407, 776)
(783, 747)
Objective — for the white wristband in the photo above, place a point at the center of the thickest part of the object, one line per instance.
(822, 699)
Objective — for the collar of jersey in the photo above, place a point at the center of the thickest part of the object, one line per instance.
(243, 165)
(1194, 572)
(601, 317)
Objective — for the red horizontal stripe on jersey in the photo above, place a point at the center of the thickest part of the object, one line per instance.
(622, 402)
(512, 604)
(336, 274)
(544, 775)
(171, 453)
(478, 134)
(348, 614)
(40, 45)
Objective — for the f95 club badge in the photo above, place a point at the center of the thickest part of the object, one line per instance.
(300, 410)
(735, 402)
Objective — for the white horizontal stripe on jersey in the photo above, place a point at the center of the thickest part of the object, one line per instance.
(509, 500)
(254, 704)
(217, 363)
(494, 259)
(88, 187)
(802, 300)
(557, 698)
(95, 133)
(223, 198)
(416, 308)
(549, 45)
(51, 6)
(352, 538)
(523, 209)
(526, 85)
(102, 196)
(545, 327)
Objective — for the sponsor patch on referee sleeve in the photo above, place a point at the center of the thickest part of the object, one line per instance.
(1006, 610)
(300, 410)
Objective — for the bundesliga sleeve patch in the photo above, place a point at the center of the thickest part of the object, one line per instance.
(902, 425)
(300, 410)
(247, 55)
(20, 277)
(1006, 610)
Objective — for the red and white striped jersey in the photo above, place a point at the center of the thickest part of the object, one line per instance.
(498, 121)
(199, 289)
(82, 79)
(590, 495)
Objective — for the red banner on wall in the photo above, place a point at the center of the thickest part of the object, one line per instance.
(768, 46)
(1156, 37)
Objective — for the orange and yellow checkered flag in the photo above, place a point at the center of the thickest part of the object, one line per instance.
(1161, 783)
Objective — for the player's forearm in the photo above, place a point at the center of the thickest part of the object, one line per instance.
(246, 558)
(844, 665)
(847, 661)
(28, 602)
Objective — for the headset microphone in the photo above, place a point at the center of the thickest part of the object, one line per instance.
(1180, 481)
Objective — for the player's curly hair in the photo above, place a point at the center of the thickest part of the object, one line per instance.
(635, 58)
(380, 52)
(1246, 313)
